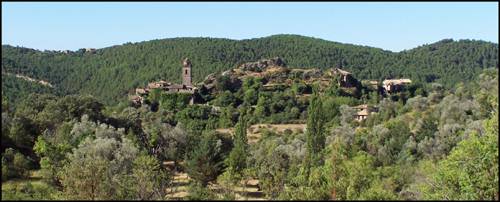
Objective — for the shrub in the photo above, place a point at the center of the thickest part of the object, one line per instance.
(14, 165)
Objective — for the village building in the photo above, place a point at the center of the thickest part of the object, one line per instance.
(158, 84)
(394, 85)
(90, 50)
(346, 80)
(374, 84)
(186, 72)
(164, 86)
(136, 99)
(363, 111)
(141, 91)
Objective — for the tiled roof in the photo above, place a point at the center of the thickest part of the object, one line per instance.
(396, 81)
(343, 72)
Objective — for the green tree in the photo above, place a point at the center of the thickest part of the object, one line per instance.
(205, 162)
(470, 172)
(14, 165)
(237, 158)
(315, 137)
(334, 89)
(225, 98)
(357, 177)
(271, 165)
(227, 117)
(198, 192)
(251, 97)
(95, 170)
(148, 180)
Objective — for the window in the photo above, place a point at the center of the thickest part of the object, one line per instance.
(186, 71)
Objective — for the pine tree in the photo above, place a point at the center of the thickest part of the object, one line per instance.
(315, 136)
(241, 129)
(204, 163)
(236, 161)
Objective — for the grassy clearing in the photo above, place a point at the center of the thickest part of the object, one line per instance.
(244, 191)
(254, 132)
(32, 188)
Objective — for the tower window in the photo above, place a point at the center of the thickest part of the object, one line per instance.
(186, 71)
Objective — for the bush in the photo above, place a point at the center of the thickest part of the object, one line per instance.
(29, 191)
(198, 192)
(5, 172)
(14, 165)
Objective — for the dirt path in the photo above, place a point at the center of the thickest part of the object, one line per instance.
(254, 132)
(179, 190)
(42, 82)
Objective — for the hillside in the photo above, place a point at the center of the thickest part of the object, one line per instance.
(17, 88)
(110, 73)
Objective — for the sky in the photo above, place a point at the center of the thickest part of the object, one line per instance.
(387, 25)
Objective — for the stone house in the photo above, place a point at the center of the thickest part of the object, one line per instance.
(346, 80)
(363, 112)
(90, 50)
(394, 85)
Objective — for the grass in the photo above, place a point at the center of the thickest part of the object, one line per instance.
(32, 188)
(34, 179)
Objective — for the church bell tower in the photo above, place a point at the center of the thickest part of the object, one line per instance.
(186, 72)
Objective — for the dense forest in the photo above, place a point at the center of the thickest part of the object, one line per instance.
(135, 64)
(440, 144)
(17, 89)
(436, 138)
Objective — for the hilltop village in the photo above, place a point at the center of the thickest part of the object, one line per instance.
(276, 76)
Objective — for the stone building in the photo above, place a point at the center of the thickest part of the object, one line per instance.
(141, 91)
(346, 80)
(363, 112)
(90, 50)
(186, 72)
(164, 86)
(394, 85)
(158, 84)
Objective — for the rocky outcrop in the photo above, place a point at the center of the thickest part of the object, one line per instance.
(274, 72)
(209, 79)
(312, 73)
(261, 65)
(208, 84)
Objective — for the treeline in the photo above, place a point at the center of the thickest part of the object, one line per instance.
(110, 73)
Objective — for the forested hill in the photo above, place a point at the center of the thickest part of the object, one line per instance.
(111, 72)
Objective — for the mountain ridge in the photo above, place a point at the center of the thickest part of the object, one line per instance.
(110, 73)
(257, 38)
